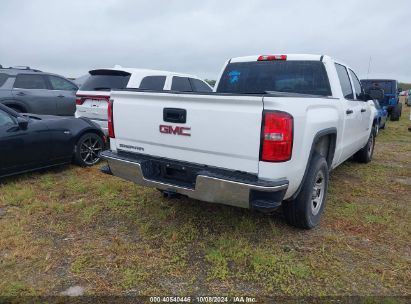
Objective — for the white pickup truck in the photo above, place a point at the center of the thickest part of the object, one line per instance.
(267, 136)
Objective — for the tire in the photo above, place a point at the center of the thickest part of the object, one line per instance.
(396, 113)
(365, 154)
(305, 210)
(87, 150)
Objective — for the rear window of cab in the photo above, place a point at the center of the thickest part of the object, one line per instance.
(259, 77)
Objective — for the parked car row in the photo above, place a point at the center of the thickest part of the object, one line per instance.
(27, 90)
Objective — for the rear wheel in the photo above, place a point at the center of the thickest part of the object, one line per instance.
(88, 149)
(306, 209)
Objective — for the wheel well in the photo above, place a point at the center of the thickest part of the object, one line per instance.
(101, 134)
(325, 146)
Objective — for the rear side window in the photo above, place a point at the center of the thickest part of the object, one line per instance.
(106, 80)
(199, 86)
(155, 83)
(30, 81)
(3, 78)
(181, 84)
(357, 85)
(58, 83)
(258, 77)
(344, 81)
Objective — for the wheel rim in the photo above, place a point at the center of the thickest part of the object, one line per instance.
(317, 196)
(370, 145)
(90, 150)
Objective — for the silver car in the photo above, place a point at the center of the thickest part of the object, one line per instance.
(27, 90)
(408, 98)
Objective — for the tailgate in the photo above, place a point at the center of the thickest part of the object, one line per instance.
(219, 131)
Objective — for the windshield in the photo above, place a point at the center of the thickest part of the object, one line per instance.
(258, 77)
(105, 80)
(387, 85)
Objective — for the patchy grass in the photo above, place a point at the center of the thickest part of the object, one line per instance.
(71, 225)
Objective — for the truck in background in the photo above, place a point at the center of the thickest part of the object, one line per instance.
(391, 99)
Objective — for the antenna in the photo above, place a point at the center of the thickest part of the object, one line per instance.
(369, 66)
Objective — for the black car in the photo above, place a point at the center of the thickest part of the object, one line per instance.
(29, 142)
(29, 90)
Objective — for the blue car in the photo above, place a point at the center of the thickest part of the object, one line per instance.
(381, 116)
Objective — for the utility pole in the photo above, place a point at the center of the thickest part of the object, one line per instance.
(369, 66)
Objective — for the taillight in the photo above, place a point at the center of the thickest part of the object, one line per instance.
(272, 57)
(110, 119)
(80, 99)
(277, 136)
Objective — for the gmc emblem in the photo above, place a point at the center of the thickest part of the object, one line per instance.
(175, 130)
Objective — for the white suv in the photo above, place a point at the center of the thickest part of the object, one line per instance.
(93, 96)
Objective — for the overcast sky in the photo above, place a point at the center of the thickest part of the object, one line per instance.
(70, 37)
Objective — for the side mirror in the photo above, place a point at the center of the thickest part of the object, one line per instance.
(23, 122)
(399, 90)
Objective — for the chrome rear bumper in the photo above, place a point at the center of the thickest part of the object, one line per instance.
(207, 188)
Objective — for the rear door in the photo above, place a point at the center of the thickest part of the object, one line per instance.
(33, 90)
(352, 115)
(64, 93)
(215, 130)
(365, 110)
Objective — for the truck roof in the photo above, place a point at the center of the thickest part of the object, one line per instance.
(289, 57)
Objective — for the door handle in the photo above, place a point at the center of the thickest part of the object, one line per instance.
(21, 94)
(349, 111)
(363, 110)
(61, 96)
